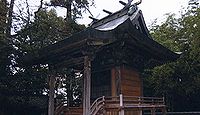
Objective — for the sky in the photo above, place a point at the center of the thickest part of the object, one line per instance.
(152, 9)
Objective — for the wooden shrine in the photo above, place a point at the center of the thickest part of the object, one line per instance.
(111, 51)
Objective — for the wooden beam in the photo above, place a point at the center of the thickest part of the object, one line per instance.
(87, 85)
(94, 19)
(123, 3)
(51, 95)
(108, 12)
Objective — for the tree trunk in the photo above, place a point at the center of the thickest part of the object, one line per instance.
(3, 17)
(69, 10)
(9, 19)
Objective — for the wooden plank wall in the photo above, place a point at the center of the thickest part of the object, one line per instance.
(126, 81)
(131, 83)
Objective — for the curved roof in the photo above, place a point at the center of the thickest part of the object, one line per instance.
(125, 26)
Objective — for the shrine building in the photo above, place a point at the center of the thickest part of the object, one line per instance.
(112, 51)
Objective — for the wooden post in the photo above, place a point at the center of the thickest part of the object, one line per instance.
(51, 95)
(87, 85)
(153, 111)
(164, 108)
(164, 111)
(121, 104)
(140, 102)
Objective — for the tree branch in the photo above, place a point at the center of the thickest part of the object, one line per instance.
(40, 7)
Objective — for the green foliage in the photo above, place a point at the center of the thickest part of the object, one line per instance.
(22, 88)
(5, 47)
(74, 8)
(3, 13)
(167, 33)
(46, 29)
(179, 81)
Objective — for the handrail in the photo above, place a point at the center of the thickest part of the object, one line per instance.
(97, 105)
(59, 107)
(136, 100)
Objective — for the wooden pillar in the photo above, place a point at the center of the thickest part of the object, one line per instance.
(51, 95)
(87, 85)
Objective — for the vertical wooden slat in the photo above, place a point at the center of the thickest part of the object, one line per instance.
(118, 80)
(51, 95)
(87, 85)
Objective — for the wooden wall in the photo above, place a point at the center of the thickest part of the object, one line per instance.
(121, 80)
(126, 81)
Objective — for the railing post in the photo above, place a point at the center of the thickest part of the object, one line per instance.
(152, 101)
(153, 112)
(104, 111)
(103, 98)
(140, 102)
(139, 99)
(164, 112)
(120, 100)
(121, 112)
(163, 100)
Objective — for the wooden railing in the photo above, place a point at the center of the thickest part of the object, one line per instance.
(97, 105)
(126, 102)
(121, 102)
(60, 107)
(134, 101)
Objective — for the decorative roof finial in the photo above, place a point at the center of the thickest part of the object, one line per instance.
(139, 2)
(108, 12)
(129, 2)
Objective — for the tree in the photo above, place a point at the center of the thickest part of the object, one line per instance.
(74, 7)
(9, 19)
(22, 88)
(46, 29)
(179, 81)
(3, 17)
(5, 48)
